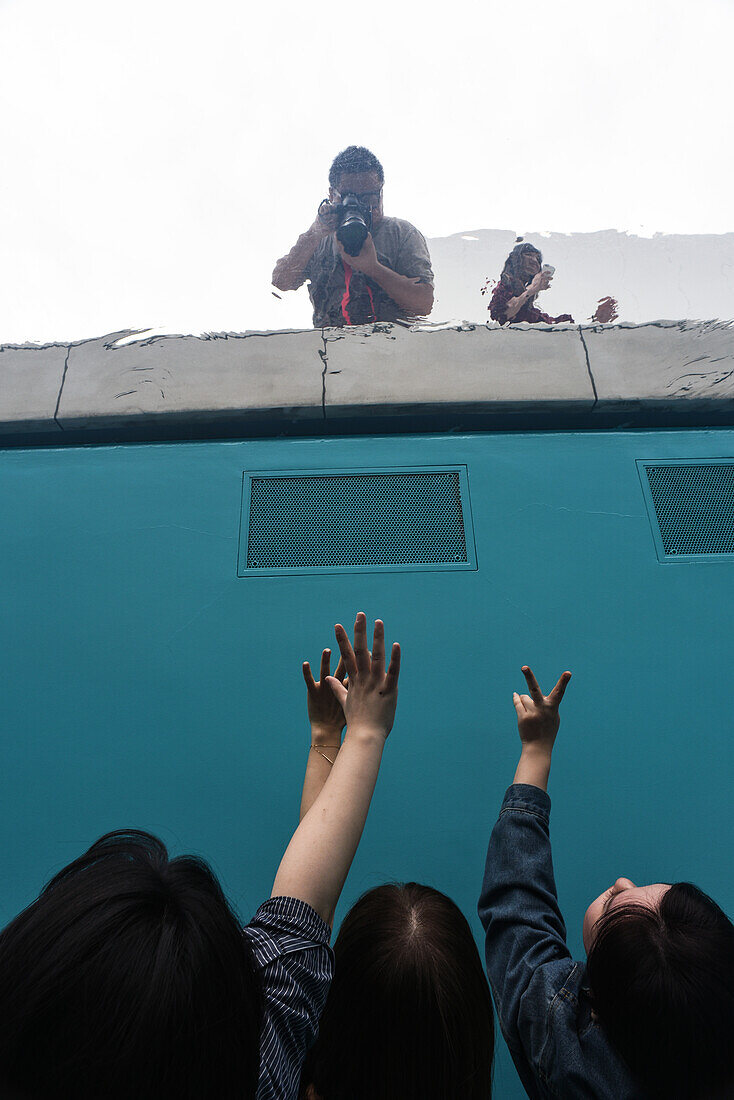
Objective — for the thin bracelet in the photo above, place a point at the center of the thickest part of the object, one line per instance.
(318, 750)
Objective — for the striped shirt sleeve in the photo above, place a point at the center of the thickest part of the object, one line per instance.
(290, 948)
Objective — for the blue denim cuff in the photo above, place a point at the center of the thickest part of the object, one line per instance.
(524, 796)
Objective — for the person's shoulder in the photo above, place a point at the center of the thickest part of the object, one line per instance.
(577, 1051)
(283, 926)
(399, 225)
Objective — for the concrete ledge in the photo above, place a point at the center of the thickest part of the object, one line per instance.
(115, 385)
(30, 384)
(375, 378)
(662, 366)
(480, 369)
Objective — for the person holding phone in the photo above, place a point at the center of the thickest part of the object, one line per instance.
(523, 278)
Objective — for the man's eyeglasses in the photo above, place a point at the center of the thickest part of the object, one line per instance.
(369, 198)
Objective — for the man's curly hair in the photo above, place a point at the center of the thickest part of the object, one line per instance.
(354, 159)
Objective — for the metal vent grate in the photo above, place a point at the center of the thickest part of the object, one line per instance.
(354, 520)
(693, 504)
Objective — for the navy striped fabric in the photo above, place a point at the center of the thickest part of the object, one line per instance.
(290, 948)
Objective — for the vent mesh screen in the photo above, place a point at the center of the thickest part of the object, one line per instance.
(694, 507)
(356, 519)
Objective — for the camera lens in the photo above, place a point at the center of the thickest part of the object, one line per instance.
(355, 221)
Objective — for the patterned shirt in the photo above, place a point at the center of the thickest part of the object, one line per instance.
(399, 246)
(290, 949)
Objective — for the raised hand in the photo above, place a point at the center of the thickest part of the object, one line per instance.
(324, 710)
(369, 704)
(334, 806)
(537, 284)
(366, 259)
(327, 218)
(607, 310)
(537, 722)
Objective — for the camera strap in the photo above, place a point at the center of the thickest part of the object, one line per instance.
(345, 297)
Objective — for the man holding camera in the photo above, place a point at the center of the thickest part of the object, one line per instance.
(361, 265)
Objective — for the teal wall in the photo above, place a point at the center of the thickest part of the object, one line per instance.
(146, 685)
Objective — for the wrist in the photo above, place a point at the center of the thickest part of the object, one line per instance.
(365, 734)
(376, 272)
(325, 735)
(534, 766)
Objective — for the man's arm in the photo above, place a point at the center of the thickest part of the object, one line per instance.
(526, 954)
(327, 722)
(315, 864)
(412, 295)
(290, 270)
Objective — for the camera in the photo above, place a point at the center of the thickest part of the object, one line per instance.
(354, 221)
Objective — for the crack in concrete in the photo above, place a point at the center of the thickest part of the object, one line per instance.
(325, 360)
(588, 368)
(61, 388)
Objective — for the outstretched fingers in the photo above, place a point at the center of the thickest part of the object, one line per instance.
(308, 676)
(325, 663)
(535, 693)
(345, 648)
(378, 648)
(361, 652)
(393, 671)
(557, 694)
(340, 671)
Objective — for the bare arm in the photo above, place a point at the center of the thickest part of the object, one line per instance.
(411, 295)
(289, 272)
(540, 282)
(318, 858)
(515, 304)
(327, 722)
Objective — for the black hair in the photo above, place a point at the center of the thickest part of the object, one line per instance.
(409, 1013)
(513, 275)
(353, 160)
(129, 976)
(662, 985)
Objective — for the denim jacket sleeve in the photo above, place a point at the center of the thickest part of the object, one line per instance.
(528, 962)
(541, 994)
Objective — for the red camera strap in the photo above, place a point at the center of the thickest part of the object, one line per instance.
(345, 297)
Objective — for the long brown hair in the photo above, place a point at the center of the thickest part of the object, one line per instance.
(409, 1013)
(513, 275)
(128, 977)
(662, 986)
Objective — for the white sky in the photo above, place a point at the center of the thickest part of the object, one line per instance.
(160, 156)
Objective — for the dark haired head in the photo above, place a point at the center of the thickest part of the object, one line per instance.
(513, 273)
(353, 161)
(662, 983)
(128, 977)
(409, 1014)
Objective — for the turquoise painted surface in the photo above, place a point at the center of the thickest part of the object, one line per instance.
(146, 684)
